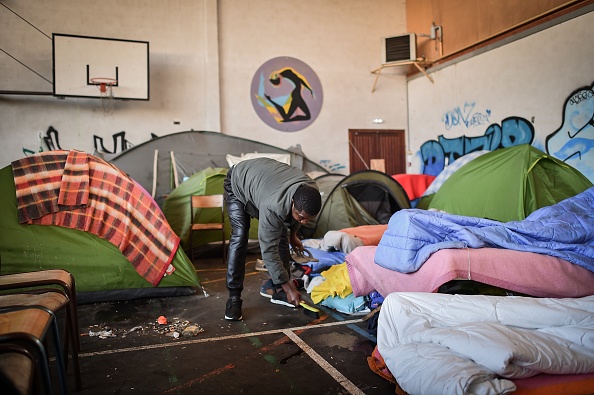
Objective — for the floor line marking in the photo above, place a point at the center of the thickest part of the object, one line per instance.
(213, 339)
(331, 370)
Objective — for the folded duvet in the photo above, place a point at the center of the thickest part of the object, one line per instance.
(460, 344)
(564, 230)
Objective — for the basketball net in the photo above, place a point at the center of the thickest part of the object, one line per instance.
(105, 86)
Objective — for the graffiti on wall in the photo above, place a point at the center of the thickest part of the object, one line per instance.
(120, 144)
(572, 142)
(466, 116)
(438, 154)
(51, 141)
(331, 166)
(48, 142)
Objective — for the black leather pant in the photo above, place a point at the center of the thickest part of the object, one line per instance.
(238, 240)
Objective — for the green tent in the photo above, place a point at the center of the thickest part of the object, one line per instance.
(100, 270)
(366, 197)
(176, 207)
(507, 185)
(326, 184)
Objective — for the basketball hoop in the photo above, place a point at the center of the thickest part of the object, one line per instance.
(105, 86)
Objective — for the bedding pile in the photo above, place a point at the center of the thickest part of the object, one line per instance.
(446, 344)
(327, 278)
(564, 230)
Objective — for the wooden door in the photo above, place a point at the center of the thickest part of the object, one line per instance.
(386, 144)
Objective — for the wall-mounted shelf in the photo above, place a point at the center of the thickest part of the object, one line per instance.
(419, 64)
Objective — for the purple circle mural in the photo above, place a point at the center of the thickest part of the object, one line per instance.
(286, 94)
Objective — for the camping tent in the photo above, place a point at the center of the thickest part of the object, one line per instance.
(176, 207)
(366, 197)
(161, 164)
(507, 185)
(326, 184)
(100, 269)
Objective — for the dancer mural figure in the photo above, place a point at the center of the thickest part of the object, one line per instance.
(295, 100)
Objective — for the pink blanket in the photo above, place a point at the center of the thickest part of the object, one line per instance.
(523, 272)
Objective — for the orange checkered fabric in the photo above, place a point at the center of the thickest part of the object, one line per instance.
(76, 190)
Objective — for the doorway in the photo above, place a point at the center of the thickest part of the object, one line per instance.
(386, 144)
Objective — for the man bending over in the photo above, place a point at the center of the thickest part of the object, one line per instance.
(282, 198)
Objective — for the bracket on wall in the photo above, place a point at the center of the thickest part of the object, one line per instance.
(420, 64)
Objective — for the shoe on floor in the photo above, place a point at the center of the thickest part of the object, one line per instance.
(268, 289)
(280, 297)
(260, 265)
(233, 309)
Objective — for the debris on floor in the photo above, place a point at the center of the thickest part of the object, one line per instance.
(102, 333)
(175, 328)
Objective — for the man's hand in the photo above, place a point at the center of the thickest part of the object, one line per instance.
(293, 295)
(296, 243)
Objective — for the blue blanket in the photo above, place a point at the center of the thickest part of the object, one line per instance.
(564, 230)
(326, 259)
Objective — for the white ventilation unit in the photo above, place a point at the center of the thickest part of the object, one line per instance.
(401, 48)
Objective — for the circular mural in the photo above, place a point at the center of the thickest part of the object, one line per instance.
(286, 94)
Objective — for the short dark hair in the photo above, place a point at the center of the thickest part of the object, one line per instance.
(308, 199)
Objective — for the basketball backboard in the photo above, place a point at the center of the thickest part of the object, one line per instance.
(79, 62)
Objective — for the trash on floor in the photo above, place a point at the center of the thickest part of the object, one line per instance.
(175, 328)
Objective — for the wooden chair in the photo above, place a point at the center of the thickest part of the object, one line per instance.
(17, 370)
(31, 289)
(204, 202)
(23, 331)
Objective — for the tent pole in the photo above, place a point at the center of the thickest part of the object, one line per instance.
(175, 181)
(155, 173)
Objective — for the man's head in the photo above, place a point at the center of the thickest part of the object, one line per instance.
(307, 203)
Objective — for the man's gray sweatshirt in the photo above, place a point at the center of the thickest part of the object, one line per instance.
(266, 187)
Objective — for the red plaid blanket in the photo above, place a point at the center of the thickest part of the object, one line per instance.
(79, 191)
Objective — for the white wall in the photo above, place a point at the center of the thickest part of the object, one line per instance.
(340, 41)
(203, 54)
(183, 71)
(531, 81)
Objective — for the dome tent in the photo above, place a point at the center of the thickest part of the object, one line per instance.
(101, 270)
(176, 207)
(507, 185)
(162, 163)
(366, 197)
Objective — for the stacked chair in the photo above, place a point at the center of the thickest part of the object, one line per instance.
(215, 203)
(28, 306)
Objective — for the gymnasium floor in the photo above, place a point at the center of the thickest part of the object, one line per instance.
(274, 350)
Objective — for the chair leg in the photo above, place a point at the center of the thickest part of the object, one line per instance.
(42, 364)
(71, 336)
(53, 328)
(58, 350)
(72, 309)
